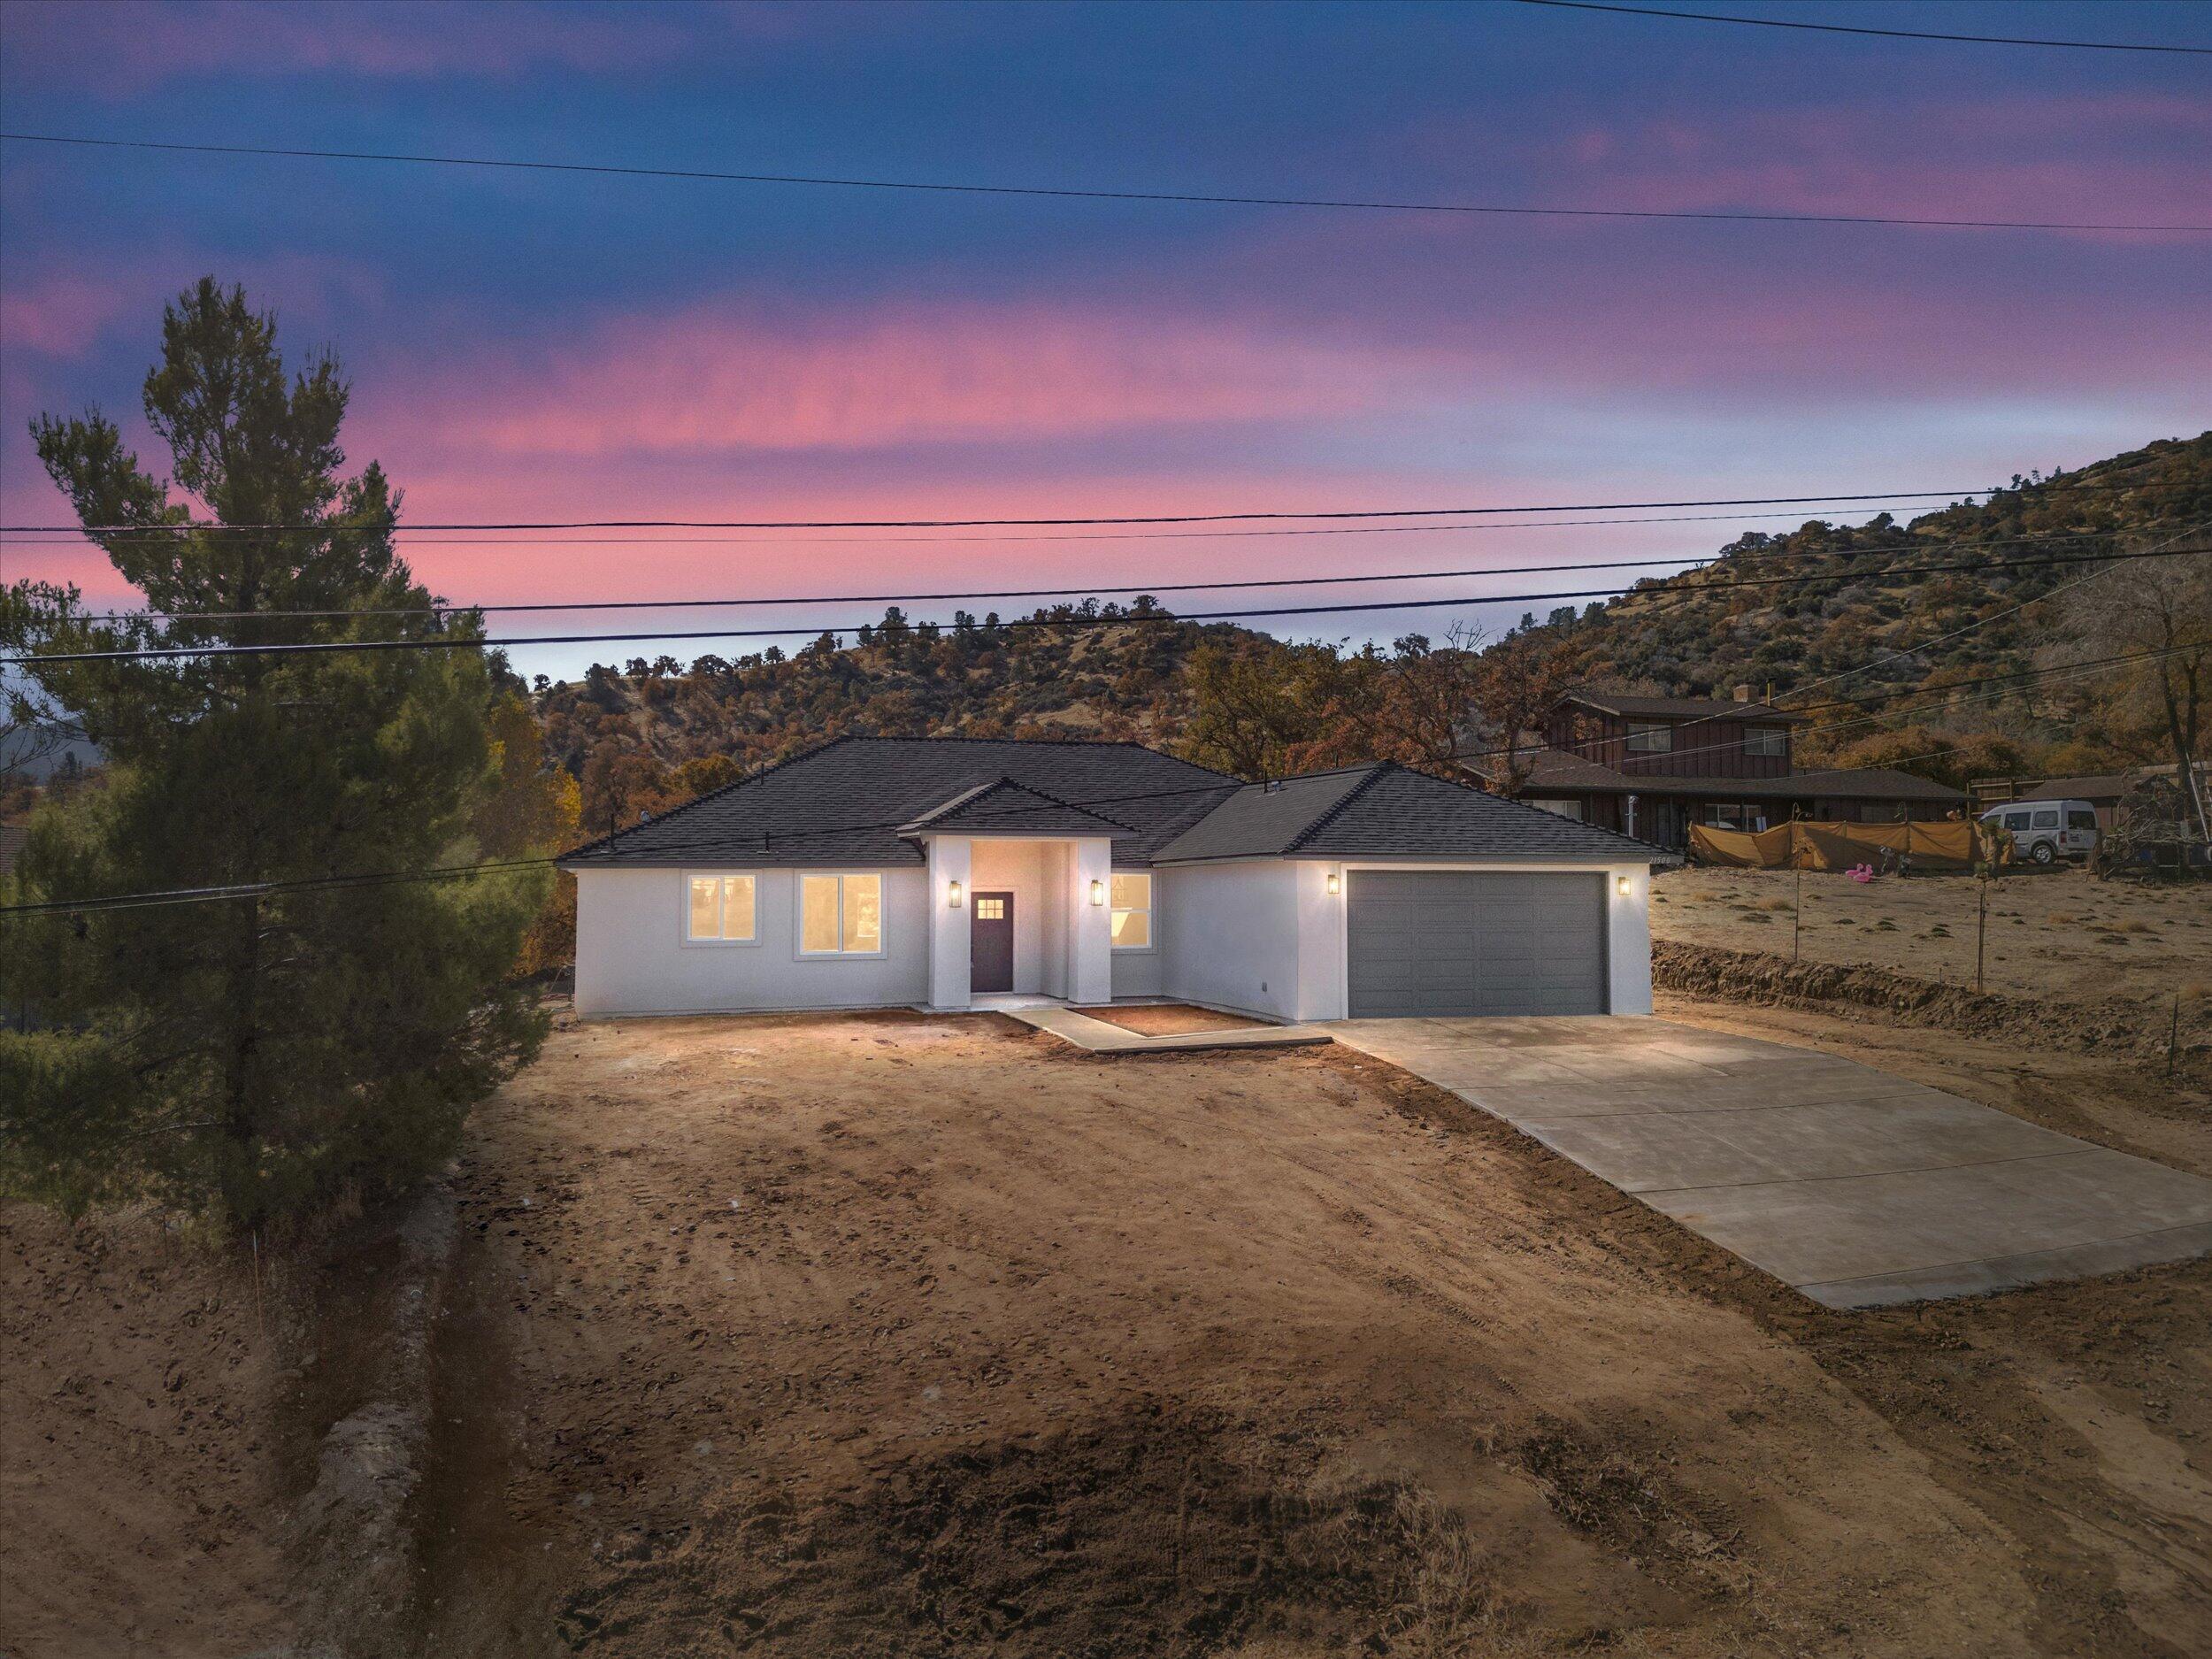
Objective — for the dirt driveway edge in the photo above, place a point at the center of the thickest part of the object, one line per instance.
(1751, 976)
(351, 1538)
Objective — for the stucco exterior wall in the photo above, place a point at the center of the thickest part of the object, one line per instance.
(1268, 937)
(1229, 935)
(1262, 936)
(632, 957)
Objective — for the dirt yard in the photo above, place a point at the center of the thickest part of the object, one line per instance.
(886, 1335)
(136, 1462)
(2063, 934)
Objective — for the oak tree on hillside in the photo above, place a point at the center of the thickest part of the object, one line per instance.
(252, 1057)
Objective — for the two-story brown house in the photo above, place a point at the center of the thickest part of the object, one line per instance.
(1651, 767)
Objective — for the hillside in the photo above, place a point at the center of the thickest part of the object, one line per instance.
(627, 734)
(1687, 635)
(1114, 679)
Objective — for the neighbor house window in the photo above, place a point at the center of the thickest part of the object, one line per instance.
(1650, 739)
(1132, 911)
(1768, 740)
(841, 915)
(720, 910)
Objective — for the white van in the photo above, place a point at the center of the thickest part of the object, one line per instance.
(2047, 831)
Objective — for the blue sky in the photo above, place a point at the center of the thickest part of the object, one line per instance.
(556, 346)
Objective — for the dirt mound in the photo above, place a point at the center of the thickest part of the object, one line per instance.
(1156, 1532)
(2114, 1024)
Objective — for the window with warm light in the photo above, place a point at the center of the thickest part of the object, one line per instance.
(719, 909)
(841, 915)
(1133, 910)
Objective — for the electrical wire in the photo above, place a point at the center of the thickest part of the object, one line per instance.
(1189, 197)
(205, 894)
(1688, 561)
(77, 539)
(159, 531)
(2162, 549)
(1126, 619)
(1844, 28)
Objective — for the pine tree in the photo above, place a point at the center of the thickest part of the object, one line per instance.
(252, 1056)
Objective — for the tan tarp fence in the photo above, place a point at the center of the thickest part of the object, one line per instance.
(1836, 846)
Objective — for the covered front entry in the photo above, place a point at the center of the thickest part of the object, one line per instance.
(1435, 943)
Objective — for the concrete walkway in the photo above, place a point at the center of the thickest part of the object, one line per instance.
(1099, 1037)
(1855, 1186)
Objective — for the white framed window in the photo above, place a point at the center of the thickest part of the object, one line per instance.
(841, 915)
(720, 908)
(1771, 741)
(1645, 738)
(1132, 899)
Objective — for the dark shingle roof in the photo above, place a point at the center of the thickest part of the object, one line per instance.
(1385, 811)
(864, 800)
(1680, 708)
(2104, 786)
(1552, 772)
(1006, 808)
(845, 802)
(1259, 819)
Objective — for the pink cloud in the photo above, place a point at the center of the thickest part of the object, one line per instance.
(2123, 159)
(62, 309)
(61, 314)
(126, 45)
(714, 379)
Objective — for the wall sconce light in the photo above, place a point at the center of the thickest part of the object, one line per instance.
(1336, 885)
(1625, 885)
(1098, 893)
(952, 894)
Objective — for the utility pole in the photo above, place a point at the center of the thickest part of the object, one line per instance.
(1797, 912)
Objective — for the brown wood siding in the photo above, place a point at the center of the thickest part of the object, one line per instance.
(1707, 749)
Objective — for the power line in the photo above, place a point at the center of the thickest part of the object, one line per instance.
(1942, 699)
(1984, 621)
(154, 531)
(58, 538)
(1841, 28)
(474, 643)
(206, 894)
(2162, 549)
(1187, 197)
(1692, 561)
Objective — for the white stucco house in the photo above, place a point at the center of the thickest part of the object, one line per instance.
(944, 873)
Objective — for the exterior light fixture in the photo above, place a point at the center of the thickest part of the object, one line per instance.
(952, 894)
(1335, 884)
(1624, 885)
(1098, 893)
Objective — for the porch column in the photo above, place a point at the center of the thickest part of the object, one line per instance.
(1091, 940)
(949, 860)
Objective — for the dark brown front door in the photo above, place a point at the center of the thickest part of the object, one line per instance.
(991, 943)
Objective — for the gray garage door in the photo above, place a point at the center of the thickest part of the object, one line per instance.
(1443, 941)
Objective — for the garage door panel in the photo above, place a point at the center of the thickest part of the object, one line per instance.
(1441, 943)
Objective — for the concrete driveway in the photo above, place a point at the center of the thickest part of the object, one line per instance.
(1855, 1186)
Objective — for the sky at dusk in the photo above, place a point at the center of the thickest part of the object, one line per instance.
(554, 346)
